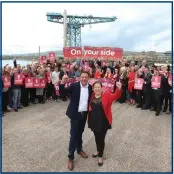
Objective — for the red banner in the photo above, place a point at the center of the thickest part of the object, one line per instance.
(91, 81)
(43, 59)
(18, 79)
(39, 83)
(68, 67)
(156, 82)
(36, 83)
(52, 56)
(72, 52)
(29, 82)
(138, 83)
(107, 84)
(69, 81)
(48, 76)
(7, 81)
(103, 52)
(56, 86)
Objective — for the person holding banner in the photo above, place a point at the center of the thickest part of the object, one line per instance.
(157, 92)
(40, 91)
(25, 91)
(100, 115)
(80, 93)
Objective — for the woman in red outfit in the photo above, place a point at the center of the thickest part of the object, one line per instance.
(98, 73)
(108, 74)
(131, 82)
(100, 115)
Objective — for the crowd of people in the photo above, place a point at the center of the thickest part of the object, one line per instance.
(17, 95)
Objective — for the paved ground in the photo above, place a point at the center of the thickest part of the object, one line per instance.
(36, 140)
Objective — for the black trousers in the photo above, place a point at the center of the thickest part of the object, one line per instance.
(77, 129)
(24, 96)
(147, 92)
(157, 101)
(32, 92)
(4, 101)
(166, 100)
(55, 97)
(49, 90)
(100, 141)
(133, 94)
(140, 98)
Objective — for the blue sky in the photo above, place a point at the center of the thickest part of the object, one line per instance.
(140, 26)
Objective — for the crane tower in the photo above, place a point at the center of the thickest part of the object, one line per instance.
(72, 25)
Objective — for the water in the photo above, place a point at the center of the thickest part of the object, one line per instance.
(21, 62)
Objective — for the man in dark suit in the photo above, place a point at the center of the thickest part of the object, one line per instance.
(77, 111)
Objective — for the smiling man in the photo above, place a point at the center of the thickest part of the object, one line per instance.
(80, 93)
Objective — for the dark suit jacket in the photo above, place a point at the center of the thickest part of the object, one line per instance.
(74, 91)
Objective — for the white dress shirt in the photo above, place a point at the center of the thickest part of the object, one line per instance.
(84, 95)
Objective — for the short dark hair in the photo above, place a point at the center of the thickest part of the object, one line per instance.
(97, 82)
(85, 72)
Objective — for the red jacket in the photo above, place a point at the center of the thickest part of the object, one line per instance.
(107, 99)
(131, 81)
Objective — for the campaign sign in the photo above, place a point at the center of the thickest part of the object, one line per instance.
(52, 57)
(43, 59)
(108, 84)
(138, 83)
(69, 81)
(7, 81)
(56, 86)
(67, 67)
(42, 83)
(156, 82)
(36, 83)
(48, 75)
(29, 82)
(18, 79)
(91, 81)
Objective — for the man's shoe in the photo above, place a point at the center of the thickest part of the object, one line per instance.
(70, 164)
(83, 154)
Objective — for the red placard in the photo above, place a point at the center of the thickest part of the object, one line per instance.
(48, 76)
(72, 52)
(7, 81)
(52, 56)
(67, 67)
(36, 83)
(68, 83)
(156, 82)
(56, 86)
(103, 52)
(138, 83)
(86, 68)
(29, 82)
(91, 81)
(18, 79)
(170, 79)
(43, 83)
(43, 59)
(108, 84)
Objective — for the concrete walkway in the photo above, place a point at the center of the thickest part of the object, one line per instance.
(36, 140)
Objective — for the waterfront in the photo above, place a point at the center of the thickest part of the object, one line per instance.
(10, 62)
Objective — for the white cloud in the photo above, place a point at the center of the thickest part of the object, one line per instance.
(25, 26)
